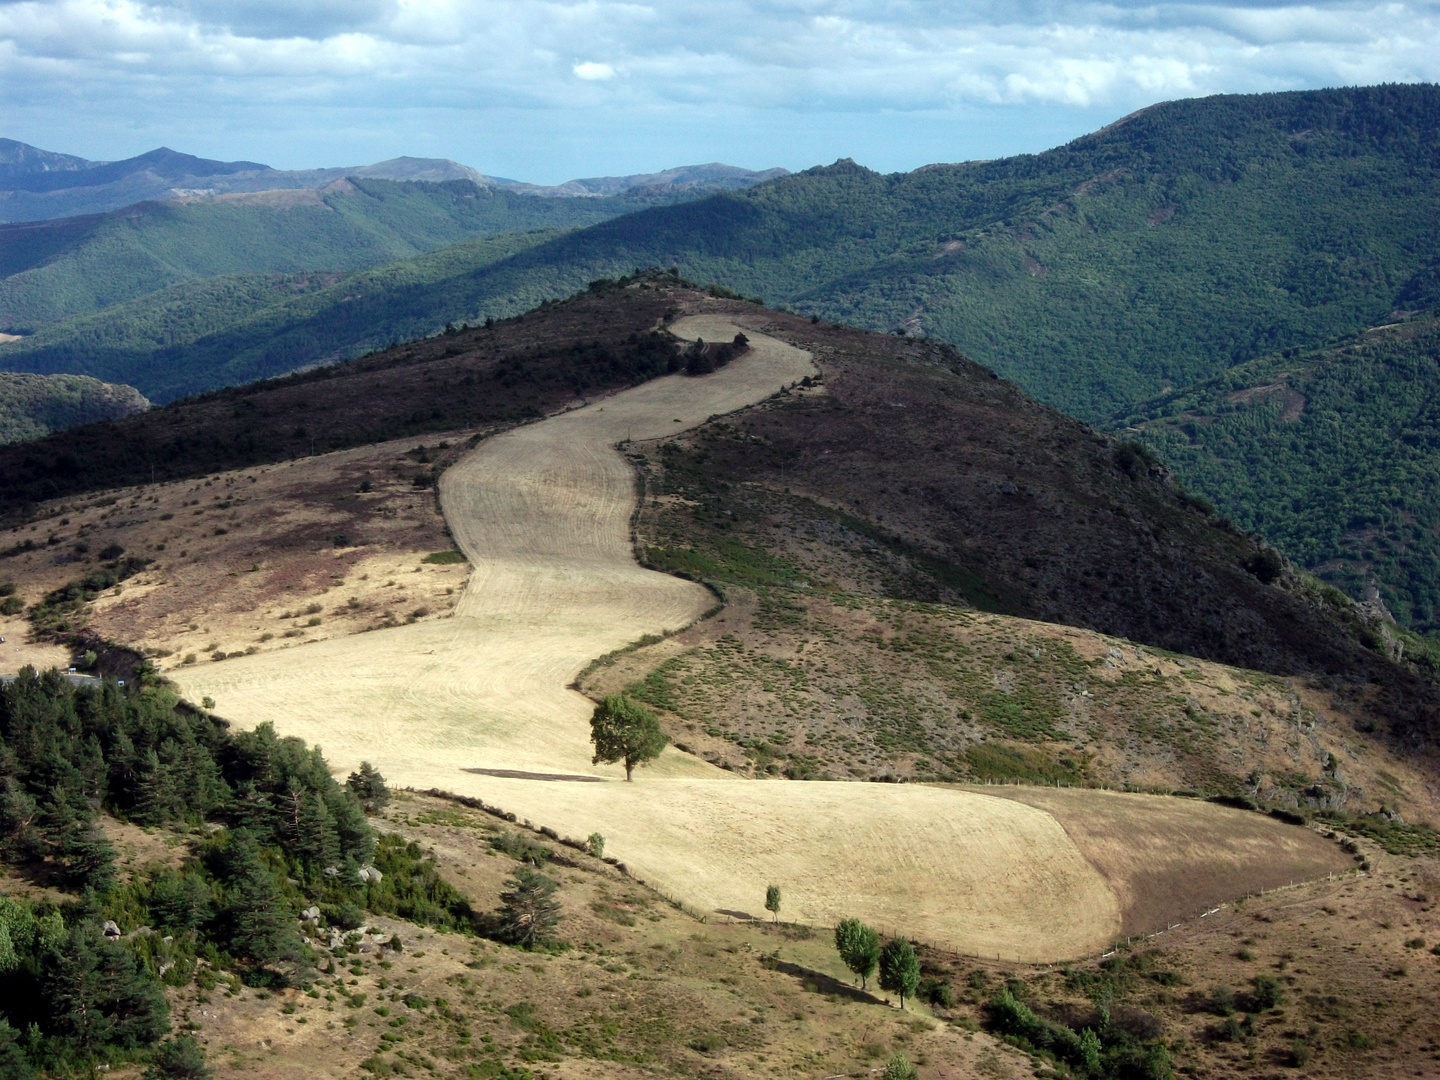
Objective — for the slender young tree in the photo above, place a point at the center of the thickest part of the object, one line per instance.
(859, 948)
(624, 730)
(899, 969)
(772, 900)
(262, 929)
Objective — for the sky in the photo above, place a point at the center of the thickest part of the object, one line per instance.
(546, 91)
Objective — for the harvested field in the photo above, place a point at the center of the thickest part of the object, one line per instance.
(542, 513)
(956, 868)
(1151, 850)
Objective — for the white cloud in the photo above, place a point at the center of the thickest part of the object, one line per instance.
(593, 72)
(192, 59)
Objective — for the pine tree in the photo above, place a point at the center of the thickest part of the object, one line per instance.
(153, 799)
(89, 859)
(180, 902)
(261, 927)
(180, 1059)
(319, 843)
(530, 909)
(70, 980)
(133, 1000)
(19, 839)
(357, 839)
(13, 1063)
(97, 993)
(369, 787)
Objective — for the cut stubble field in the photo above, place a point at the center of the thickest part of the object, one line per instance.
(543, 514)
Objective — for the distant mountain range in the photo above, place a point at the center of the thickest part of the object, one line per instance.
(39, 185)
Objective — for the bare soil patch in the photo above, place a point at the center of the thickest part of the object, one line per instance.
(1170, 860)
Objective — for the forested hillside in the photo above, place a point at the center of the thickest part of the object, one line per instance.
(59, 269)
(83, 980)
(199, 335)
(36, 405)
(1157, 252)
(1333, 454)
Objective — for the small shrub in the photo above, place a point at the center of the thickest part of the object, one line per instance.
(936, 992)
(899, 1068)
(1267, 992)
(180, 1058)
(1222, 1000)
(1233, 1030)
(444, 558)
(596, 845)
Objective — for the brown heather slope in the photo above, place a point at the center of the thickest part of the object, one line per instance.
(911, 472)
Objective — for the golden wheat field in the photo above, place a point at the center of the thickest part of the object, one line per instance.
(542, 513)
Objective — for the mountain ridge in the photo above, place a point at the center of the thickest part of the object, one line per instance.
(39, 184)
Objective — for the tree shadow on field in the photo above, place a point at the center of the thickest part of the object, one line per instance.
(817, 982)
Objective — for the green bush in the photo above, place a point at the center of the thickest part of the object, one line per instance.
(1267, 993)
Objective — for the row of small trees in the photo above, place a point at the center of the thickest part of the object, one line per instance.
(860, 951)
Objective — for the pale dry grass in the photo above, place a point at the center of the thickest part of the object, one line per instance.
(542, 513)
(17, 650)
(965, 871)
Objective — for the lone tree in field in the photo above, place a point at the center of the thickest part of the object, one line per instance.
(772, 900)
(624, 730)
(859, 948)
(899, 969)
(530, 909)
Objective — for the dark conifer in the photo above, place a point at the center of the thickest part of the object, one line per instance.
(262, 927)
(369, 787)
(530, 909)
(13, 1063)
